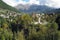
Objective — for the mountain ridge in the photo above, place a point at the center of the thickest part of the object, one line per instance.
(34, 8)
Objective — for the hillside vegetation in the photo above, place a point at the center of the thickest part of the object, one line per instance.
(34, 26)
(5, 6)
(23, 27)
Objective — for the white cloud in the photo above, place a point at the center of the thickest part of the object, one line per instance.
(14, 3)
(30, 2)
(56, 3)
(34, 2)
(10, 2)
(51, 3)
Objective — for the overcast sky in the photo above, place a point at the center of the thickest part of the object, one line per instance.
(51, 3)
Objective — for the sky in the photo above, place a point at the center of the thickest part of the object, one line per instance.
(51, 3)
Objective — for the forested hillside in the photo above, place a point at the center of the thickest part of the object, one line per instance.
(5, 6)
(21, 26)
(27, 27)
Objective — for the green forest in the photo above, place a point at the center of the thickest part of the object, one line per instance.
(15, 25)
(22, 27)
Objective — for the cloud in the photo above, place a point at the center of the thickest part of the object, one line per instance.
(51, 3)
(11, 2)
(56, 3)
(26, 0)
(34, 2)
(15, 2)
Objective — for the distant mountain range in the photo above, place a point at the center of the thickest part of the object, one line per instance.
(5, 6)
(36, 8)
(27, 8)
